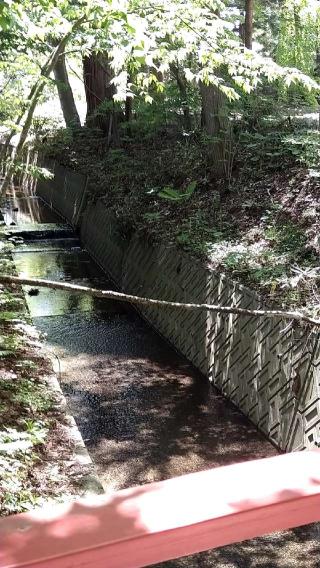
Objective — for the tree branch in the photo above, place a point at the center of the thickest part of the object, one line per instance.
(121, 297)
(34, 95)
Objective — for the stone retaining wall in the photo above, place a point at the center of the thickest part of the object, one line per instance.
(269, 370)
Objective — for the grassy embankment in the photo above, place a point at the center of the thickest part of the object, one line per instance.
(261, 227)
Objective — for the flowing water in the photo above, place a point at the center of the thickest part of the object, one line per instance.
(144, 412)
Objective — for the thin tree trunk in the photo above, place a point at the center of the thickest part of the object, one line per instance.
(13, 132)
(242, 32)
(115, 115)
(248, 24)
(128, 114)
(35, 94)
(182, 86)
(44, 73)
(68, 106)
(297, 33)
(317, 73)
(216, 126)
(121, 297)
(128, 109)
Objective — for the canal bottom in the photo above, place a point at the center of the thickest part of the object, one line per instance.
(145, 414)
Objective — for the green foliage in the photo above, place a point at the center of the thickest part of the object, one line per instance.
(14, 442)
(166, 109)
(175, 195)
(36, 430)
(9, 343)
(264, 269)
(44, 125)
(32, 170)
(29, 394)
(15, 77)
(286, 237)
(261, 152)
(271, 149)
(253, 109)
(143, 41)
(152, 216)
(17, 456)
(299, 42)
(196, 234)
(304, 146)
(298, 34)
(57, 141)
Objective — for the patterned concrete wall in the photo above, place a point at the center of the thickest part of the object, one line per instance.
(271, 372)
(108, 251)
(65, 192)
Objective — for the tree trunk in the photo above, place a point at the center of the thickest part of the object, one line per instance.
(182, 86)
(13, 132)
(317, 74)
(121, 297)
(248, 24)
(95, 84)
(68, 106)
(34, 96)
(99, 91)
(216, 126)
(242, 33)
(297, 39)
(128, 109)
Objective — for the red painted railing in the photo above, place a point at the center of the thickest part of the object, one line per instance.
(160, 521)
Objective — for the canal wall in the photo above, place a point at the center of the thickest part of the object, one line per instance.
(269, 370)
(65, 191)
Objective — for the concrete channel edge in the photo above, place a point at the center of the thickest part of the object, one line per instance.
(89, 481)
(270, 371)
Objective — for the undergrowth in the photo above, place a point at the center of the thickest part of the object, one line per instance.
(261, 226)
(31, 425)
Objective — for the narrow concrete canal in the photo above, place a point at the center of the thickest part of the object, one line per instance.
(145, 414)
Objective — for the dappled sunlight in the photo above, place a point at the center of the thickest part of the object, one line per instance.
(207, 510)
(258, 363)
(145, 414)
(174, 146)
(69, 528)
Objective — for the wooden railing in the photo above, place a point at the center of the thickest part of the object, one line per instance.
(174, 518)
